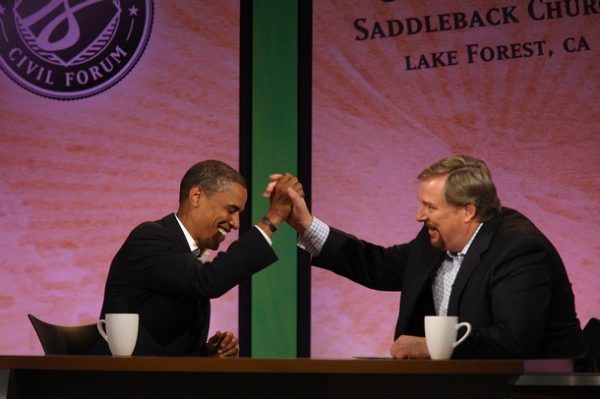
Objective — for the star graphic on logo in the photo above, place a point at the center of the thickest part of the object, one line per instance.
(133, 10)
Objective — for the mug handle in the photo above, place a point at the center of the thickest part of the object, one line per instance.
(101, 324)
(467, 325)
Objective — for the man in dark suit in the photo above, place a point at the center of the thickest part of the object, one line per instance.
(158, 275)
(486, 264)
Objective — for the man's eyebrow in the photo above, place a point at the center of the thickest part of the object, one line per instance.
(234, 208)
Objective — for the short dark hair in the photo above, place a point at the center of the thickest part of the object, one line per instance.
(212, 175)
(469, 182)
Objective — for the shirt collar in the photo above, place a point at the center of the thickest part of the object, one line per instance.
(190, 240)
(467, 245)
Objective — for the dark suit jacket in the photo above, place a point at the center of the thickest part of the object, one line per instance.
(512, 287)
(155, 274)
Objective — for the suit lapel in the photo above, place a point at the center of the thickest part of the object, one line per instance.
(471, 261)
(418, 275)
(171, 224)
(199, 333)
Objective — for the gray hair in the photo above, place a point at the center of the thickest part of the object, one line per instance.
(469, 182)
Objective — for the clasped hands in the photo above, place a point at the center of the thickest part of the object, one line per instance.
(223, 345)
(286, 198)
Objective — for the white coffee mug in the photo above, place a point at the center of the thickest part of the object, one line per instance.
(440, 334)
(121, 332)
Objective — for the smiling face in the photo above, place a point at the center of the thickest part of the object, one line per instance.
(449, 226)
(210, 216)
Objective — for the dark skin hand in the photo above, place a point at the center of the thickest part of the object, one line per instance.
(223, 345)
(280, 201)
(299, 218)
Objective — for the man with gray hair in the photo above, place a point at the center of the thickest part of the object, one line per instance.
(473, 259)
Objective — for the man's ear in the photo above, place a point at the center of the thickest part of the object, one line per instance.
(470, 212)
(195, 195)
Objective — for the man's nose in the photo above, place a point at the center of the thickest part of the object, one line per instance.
(421, 215)
(234, 221)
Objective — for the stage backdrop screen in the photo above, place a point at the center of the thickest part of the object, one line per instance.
(398, 85)
(77, 175)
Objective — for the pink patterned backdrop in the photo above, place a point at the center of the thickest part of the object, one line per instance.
(77, 176)
(378, 122)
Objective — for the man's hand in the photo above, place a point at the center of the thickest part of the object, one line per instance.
(280, 201)
(299, 217)
(223, 345)
(409, 347)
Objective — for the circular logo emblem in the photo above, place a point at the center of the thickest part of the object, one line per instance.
(69, 49)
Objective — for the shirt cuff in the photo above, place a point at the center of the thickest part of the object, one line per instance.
(269, 241)
(314, 237)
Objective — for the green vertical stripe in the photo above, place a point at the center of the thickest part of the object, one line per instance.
(274, 149)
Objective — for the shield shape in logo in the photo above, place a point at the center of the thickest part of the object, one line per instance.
(70, 49)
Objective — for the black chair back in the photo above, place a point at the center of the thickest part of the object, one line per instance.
(592, 334)
(65, 340)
